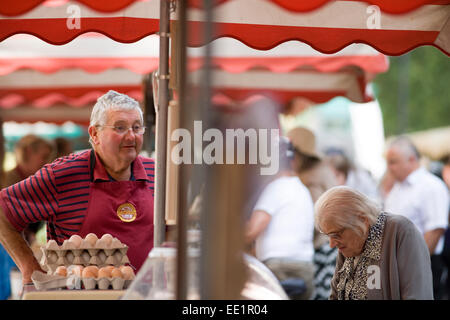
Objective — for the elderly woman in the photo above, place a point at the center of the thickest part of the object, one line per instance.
(381, 256)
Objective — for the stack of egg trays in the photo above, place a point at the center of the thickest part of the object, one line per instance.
(100, 255)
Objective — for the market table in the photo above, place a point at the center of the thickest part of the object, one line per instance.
(73, 295)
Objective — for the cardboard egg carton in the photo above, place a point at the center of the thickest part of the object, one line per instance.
(101, 252)
(104, 278)
(105, 283)
(72, 277)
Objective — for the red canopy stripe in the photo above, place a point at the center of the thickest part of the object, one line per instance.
(54, 31)
(14, 8)
(59, 114)
(233, 56)
(75, 97)
(141, 65)
(69, 86)
(389, 6)
(390, 42)
(282, 87)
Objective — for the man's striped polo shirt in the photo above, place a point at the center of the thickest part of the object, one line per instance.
(59, 194)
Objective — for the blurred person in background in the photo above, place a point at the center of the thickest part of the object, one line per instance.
(31, 153)
(282, 226)
(315, 174)
(420, 196)
(63, 147)
(318, 177)
(445, 175)
(385, 185)
(382, 256)
(347, 173)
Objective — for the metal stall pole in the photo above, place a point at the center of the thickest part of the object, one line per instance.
(181, 265)
(161, 123)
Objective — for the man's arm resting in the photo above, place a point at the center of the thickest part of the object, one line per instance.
(14, 243)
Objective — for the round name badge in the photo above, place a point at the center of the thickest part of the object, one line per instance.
(126, 212)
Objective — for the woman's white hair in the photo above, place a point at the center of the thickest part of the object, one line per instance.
(345, 206)
(112, 100)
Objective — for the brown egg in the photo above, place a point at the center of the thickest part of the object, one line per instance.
(61, 271)
(107, 239)
(110, 268)
(127, 272)
(116, 273)
(90, 272)
(104, 272)
(91, 238)
(76, 240)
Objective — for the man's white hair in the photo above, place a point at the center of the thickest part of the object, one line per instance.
(344, 205)
(112, 100)
(405, 146)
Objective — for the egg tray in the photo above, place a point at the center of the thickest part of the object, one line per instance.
(43, 281)
(105, 283)
(100, 255)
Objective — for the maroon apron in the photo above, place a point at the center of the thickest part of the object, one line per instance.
(123, 209)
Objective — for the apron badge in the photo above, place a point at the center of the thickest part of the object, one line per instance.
(126, 212)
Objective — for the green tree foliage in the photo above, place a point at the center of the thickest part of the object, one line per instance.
(427, 82)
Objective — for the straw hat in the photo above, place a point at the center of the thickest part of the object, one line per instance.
(304, 141)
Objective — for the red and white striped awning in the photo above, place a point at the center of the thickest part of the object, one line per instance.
(233, 56)
(315, 86)
(37, 74)
(73, 87)
(288, 71)
(392, 27)
(14, 8)
(58, 114)
(61, 21)
(90, 52)
(397, 6)
(263, 25)
(41, 75)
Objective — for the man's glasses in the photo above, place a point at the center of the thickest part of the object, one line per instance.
(122, 129)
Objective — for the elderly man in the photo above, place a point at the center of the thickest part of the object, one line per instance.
(419, 196)
(105, 190)
(381, 256)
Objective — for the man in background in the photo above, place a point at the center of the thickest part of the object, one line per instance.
(421, 197)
